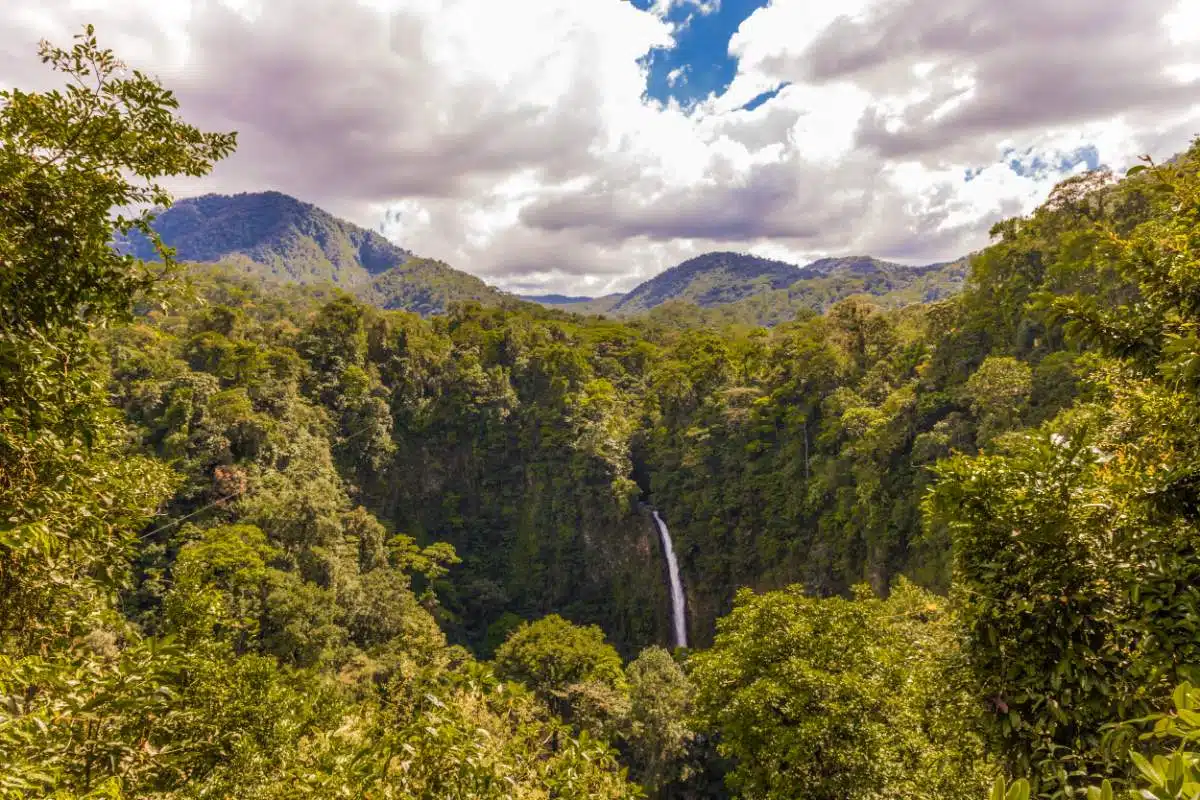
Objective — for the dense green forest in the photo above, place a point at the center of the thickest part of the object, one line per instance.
(264, 540)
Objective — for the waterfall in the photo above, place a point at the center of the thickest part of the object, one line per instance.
(677, 607)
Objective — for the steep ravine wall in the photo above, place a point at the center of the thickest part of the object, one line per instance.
(537, 538)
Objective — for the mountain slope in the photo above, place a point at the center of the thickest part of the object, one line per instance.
(274, 236)
(286, 237)
(892, 283)
(768, 292)
(828, 281)
(708, 280)
(427, 287)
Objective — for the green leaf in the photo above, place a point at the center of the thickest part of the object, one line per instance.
(1018, 791)
(1153, 775)
(1181, 696)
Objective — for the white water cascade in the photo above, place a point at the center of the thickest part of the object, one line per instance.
(678, 613)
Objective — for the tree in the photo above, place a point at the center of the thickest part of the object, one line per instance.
(68, 158)
(658, 733)
(71, 157)
(220, 580)
(275, 557)
(569, 666)
(999, 394)
(839, 698)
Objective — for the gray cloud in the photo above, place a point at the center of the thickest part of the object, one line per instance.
(342, 105)
(778, 200)
(756, 131)
(1033, 64)
(346, 108)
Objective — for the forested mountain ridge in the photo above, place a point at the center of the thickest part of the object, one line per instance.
(556, 299)
(257, 539)
(759, 291)
(710, 279)
(272, 235)
(828, 281)
(287, 237)
(729, 278)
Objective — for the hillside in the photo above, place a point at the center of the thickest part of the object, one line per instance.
(274, 236)
(761, 291)
(831, 280)
(708, 280)
(555, 299)
(427, 287)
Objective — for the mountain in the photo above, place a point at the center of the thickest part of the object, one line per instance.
(555, 299)
(708, 280)
(831, 280)
(893, 284)
(275, 236)
(764, 291)
(578, 305)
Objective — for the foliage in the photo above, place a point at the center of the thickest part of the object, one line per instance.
(659, 734)
(1075, 543)
(68, 158)
(557, 659)
(999, 394)
(643, 710)
(1176, 774)
(67, 498)
(845, 698)
(272, 646)
(1170, 775)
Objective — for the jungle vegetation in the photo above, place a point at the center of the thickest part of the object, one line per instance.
(265, 540)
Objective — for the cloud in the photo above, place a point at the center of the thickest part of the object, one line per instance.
(376, 108)
(513, 139)
(986, 69)
(663, 8)
(338, 100)
(778, 199)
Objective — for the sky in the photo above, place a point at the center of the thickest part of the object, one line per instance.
(582, 146)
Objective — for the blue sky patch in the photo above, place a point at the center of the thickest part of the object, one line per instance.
(699, 64)
(763, 97)
(1034, 167)
(1030, 165)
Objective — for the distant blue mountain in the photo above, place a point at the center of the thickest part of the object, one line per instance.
(554, 299)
